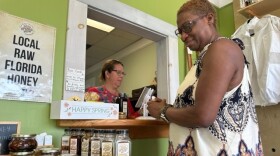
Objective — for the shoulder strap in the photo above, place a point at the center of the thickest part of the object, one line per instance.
(242, 47)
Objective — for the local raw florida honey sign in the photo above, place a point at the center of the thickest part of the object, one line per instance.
(26, 59)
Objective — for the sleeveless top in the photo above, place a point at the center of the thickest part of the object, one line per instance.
(235, 131)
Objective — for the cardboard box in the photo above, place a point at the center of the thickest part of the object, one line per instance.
(83, 110)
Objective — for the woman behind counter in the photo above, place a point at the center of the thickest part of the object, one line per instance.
(112, 76)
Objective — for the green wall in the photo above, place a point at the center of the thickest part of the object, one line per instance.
(137, 69)
(34, 117)
(167, 11)
(226, 20)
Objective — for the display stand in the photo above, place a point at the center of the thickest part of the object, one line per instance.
(144, 98)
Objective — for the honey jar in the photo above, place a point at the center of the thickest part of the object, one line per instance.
(122, 115)
(22, 144)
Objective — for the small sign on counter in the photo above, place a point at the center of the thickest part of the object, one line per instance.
(84, 110)
(7, 129)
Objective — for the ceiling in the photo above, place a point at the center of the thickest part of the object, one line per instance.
(101, 45)
(220, 3)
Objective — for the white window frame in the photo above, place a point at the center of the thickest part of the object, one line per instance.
(132, 20)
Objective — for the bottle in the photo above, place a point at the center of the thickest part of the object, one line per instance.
(122, 101)
(122, 143)
(95, 142)
(125, 106)
(247, 2)
(107, 144)
(65, 141)
(80, 134)
(119, 101)
(85, 145)
(75, 141)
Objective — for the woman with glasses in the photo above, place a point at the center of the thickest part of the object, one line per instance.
(112, 74)
(214, 106)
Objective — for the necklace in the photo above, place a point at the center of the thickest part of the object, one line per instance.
(205, 48)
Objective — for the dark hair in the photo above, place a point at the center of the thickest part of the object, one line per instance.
(198, 7)
(109, 66)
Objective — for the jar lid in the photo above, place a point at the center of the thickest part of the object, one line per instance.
(122, 115)
(122, 131)
(109, 130)
(49, 150)
(23, 135)
(98, 131)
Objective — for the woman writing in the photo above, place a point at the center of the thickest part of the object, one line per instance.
(112, 76)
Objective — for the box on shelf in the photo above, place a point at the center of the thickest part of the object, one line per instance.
(83, 110)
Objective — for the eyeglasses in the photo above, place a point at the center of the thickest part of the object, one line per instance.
(187, 27)
(120, 73)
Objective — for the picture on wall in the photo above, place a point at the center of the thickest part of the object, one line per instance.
(26, 59)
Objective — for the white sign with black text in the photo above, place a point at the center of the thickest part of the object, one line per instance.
(26, 59)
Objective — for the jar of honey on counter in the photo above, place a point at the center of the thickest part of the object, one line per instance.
(22, 144)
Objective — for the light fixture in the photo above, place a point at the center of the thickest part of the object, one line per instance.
(99, 25)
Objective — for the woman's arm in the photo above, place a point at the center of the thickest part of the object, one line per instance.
(222, 70)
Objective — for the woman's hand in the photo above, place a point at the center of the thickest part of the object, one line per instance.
(155, 106)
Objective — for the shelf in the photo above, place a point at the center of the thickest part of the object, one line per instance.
(138, 129)
(260, 8)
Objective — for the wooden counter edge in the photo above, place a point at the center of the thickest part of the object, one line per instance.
(138, 129)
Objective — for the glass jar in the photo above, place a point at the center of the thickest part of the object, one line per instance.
(122, 115)
(65, 141)
(123, 143)
(85, 144)
(75, 142)
(107, 144)
(49, 152)
(22, 143)
(95, 142)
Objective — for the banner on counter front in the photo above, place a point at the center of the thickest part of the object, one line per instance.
(26, 59)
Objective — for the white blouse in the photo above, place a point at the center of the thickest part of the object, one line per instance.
(262, 50)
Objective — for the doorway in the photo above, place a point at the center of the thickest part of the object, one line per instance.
(147, 26)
